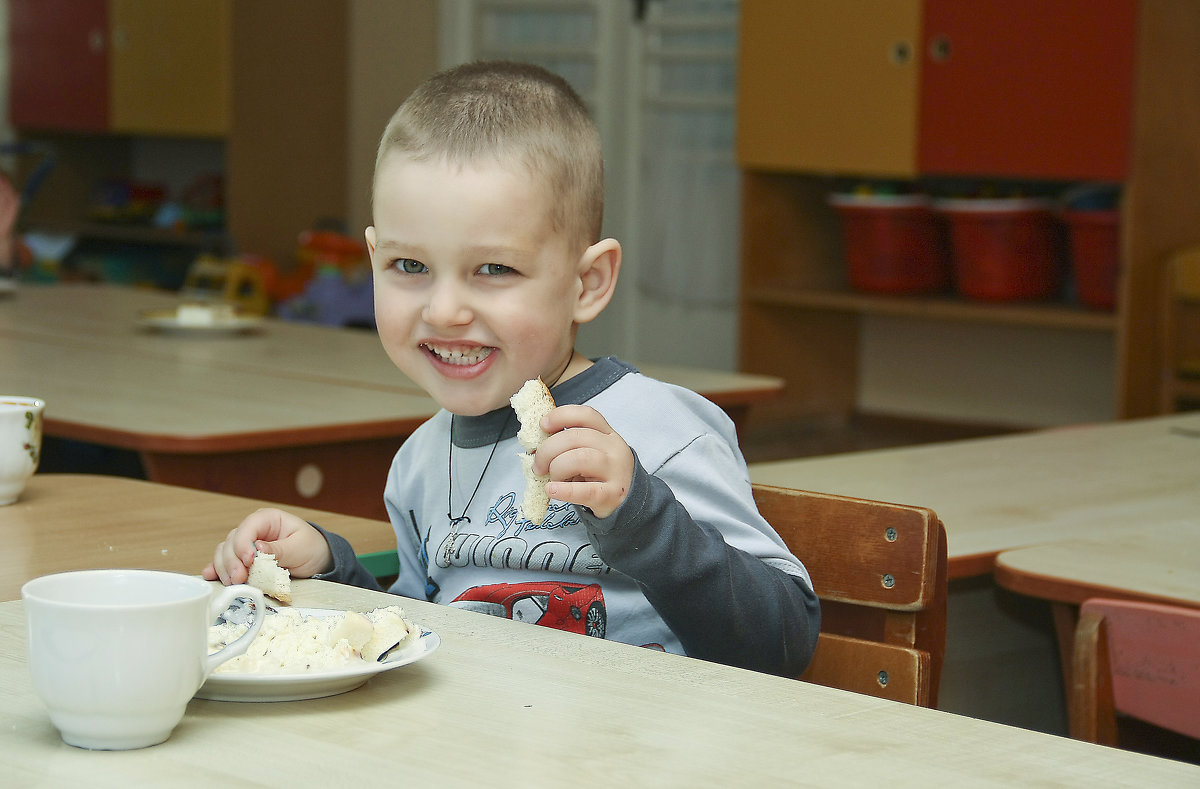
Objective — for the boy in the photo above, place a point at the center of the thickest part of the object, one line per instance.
(487, 256)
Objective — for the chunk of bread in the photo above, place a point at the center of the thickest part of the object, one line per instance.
(532, 402)
(267, 575)
(390, 629)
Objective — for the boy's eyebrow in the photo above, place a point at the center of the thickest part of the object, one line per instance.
(493, 251)
(394, 246)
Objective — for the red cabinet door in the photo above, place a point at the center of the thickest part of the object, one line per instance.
(1027, 88)
(59, 64)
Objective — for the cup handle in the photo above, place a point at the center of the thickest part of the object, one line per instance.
(219, 602)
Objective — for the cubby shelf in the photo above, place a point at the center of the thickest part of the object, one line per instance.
(946, 308)
(826, 93)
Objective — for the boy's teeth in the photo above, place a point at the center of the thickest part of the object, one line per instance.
(461, 357)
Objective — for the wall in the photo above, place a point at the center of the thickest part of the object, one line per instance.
(986, 374)
(392, 48)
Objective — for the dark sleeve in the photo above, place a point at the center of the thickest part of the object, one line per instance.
(723, 604)
(347, 569)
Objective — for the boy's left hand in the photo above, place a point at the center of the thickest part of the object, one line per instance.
(588, 462)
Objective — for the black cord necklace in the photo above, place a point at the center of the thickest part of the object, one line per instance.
(454, 522)
(450, 474)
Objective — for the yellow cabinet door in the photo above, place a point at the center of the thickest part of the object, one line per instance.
(829, 86)
(170, 67)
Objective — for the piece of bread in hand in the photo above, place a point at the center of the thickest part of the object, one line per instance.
(267, 575)
(532, 402)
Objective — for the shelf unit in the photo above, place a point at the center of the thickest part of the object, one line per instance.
(948, 308)
(800, 320)
(296, 98)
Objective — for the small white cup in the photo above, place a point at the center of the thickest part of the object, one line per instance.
(20, 443)
(117, 654)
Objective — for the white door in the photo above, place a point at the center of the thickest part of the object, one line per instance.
(658, 76)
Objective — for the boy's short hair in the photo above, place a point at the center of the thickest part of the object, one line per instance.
(509, 112)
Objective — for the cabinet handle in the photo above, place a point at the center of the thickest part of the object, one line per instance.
(939, 49)
(900, 53)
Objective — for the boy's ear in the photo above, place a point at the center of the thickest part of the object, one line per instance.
(370, 234)
(598, 270)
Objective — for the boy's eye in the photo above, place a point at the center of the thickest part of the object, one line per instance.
(494, 269)
(410, 266)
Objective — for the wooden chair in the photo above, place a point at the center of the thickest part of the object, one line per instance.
(1180, 350)
(1137, 659)
(880, 571)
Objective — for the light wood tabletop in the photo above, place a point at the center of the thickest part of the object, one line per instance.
(130, 400)
(301, 414)
(305, 443)
(106, 316)
(996, 494)
(503, 703)
(1154, 562)
(80, 521)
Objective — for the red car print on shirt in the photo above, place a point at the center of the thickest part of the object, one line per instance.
(576, 609)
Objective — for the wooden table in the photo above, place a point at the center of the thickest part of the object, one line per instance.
(104, 316)
(503, 703)
(306, 443)
(296, 413)
(81, 521)
(1154, 562)
(1093, 482)
(995, 494)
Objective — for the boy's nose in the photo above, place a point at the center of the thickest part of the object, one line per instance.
(447, 306)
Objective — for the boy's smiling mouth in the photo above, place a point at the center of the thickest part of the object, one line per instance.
(458, 357)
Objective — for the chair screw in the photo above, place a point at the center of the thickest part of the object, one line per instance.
(883, 679)
(888, 581)
(891, 534)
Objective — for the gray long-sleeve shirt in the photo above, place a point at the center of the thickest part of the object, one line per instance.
(685, 564)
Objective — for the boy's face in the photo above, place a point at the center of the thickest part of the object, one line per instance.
(474, 291)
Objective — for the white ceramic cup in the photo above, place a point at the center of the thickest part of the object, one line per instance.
(117, 654)
(20, 443)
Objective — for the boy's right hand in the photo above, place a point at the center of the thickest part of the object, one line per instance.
(297, 546)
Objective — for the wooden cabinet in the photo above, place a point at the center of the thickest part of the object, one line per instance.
(58, 64)
(829, 87)
(1057, 91)
(169, 69)
(1018, 88)
(293, 106)
(1027, 88)
(120, 66)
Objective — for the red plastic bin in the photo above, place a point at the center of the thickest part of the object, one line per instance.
(1003, 249)
(893, 244)
(1095, 256)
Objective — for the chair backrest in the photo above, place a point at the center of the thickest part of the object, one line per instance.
(1181, 331)
(1139, 659)
(880, 571)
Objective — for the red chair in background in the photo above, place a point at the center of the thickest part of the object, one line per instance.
(1140, 660)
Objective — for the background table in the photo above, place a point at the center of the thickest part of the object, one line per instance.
(1092, 482)
(503, 703)
(311, 443)
(1157, 563)
(296, 413)
(104, 316)
(1011, 491)
(79, 521)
